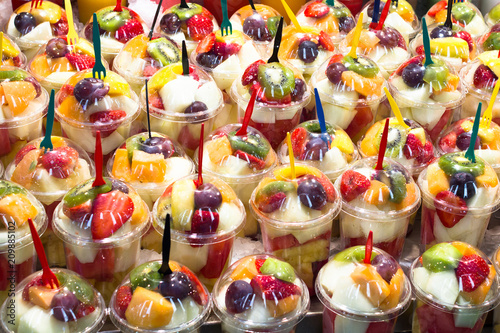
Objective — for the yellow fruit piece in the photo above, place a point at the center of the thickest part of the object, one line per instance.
(42, 296)
(9, 50)
(450, 47)
(137, 46)
(121, 166)
(419, 132)
(466, 125)
(19, 207)
(479, 294)
(328, 24)
(84, 47)
(411, 196)
(140, 208)
(174, 266)
(60, 65)
(218, 149)
(452, 81)
(440, 16)
(163, 76)
(236, 37)
(18, 94)
(23, 173)
(47, 11)
(148, 309)
(367, 145)
(283, 306)
(405, 10)
(371, 284)
(377, 193)
(57, 142)
(396, 290)
(487, 135)
(117, 85)
(436, 180)
(363, 85)
(148, 168)
(490, 59)
(343, 142)
(285, 173)
(70, 108)
(464, 248)
(488, 178)
(246, 269)
(367, 40)
(182, 203)
(227, 193)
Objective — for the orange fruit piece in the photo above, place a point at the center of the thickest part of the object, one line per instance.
(18, 207)
(246, 269)
(139, 208)
(411, 195)
(440, 16)
(488, 178)
(18, 94)
(148, 168)
(61, 65)
(328, 24)
(121, 166)
(70, 108)
(137, 46)
(437, 180)
(367, 145)
(23, 172)
(363, 85)
(225, 190)
(396, 289)
(371, 284)
(464, 248)
(283, 306)
(377, 193)
(218, 149)
(479, 294)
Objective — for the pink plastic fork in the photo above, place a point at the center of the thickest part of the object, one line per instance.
(48, 277)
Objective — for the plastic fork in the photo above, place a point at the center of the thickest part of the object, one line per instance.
(277, 43)
(488, 113)
(395, 109)
(118, 7)
(72, 35)
(355, 37)
(35, 4)
(469, 154)
(226, 27)
(46, 143)
(292, 16)
(96, 38)
(48, 277)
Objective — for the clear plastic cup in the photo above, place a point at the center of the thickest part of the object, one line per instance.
(435, 102)
(458, 199)
(362, 297)
(23, 107)
(382, 201)
(295, 217)
(353, 95)
(449, 298)
(278, 107)
(178, 104)
(496, 313)
(12, 54)
(493, 16)
(17, 260)
(490, 41)
(205, 219)
(260, 293)
(176, 303)
(49, 182)
(101, 228)
(241, 161)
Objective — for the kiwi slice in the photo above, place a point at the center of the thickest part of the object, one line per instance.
(146, 276)
(275, 187)
(396, 138)
(398, 187)
(441, 257)
(492, 42)
(339, 12)
(164, 51)
(186, 13)
(457, 162)
(250, 144)
(353, 254)
(7, 189)
(314, 127)
(277, 80)
(363, 66)
(110, 20)
(14, 75)
(81, 193)
(462, 13)
(81, 288)
(133, 143)
(272, 24)
(436, 74)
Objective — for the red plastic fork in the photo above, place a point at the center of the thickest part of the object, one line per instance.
(35, 3)
(48, 277)
(118, 7)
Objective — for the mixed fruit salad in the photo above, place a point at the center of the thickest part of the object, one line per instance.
(493, 16)
(11, 54)
(150, 300)
(490, 40)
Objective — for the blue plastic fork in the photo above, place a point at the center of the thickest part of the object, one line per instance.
(96, 38)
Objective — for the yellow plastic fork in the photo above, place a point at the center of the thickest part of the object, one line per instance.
(488, 114)
(292, 16)
(72, 35)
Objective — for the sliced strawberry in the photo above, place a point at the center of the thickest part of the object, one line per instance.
(226, 49)
(206, 44)
(251, 73)
(326, 41)
(60, 162)
(466, 37)
(448, 143)
(80, 61)
(427, 154)
(331, 194)
(484, 77)
(218, 257)
(316, 9)
(107, 121)
(414, 60)
(199, 295)
(199, 26)
(129, 30)
(420, 50)
(471, 272)
(156, 102)
(83, 310)
(298, 138)
(66, 90)
(79, 213)
(20, 154)
(123, 298)
(109, 212)
(149, 71)
(449, 208)
(441, 5)
(60, 28)
(273, 288)
(253, 161)
(353, 184)
(413, 147)
(272, 203)
(259, 263)
(335, 58)
(204, 221)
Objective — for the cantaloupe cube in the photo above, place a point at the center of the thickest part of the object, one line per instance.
(19, 207)
(488, 178)
(218, 148)
(61, 64)
(283, 306)
(479, 294)
(377, 193)
(121, 166)
(148, 309)
(363, 85)
(436, 179)
(464, 248)
(246, 269)
(396, 290)
(42, 296)
(71, 109)
(227, 193)
(148, 168)
(367, 145)
(371, 284)
(18, 94)
(40, 66)
(137, 46)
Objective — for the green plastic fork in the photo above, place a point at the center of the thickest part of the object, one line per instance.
(469, 154)
(96, 38)
(46, 143)
(226, 27)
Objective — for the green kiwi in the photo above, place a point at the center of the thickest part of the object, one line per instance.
(272, 24)
(339, 12)
(81, 288)
(353, 254)
(457, 162)
(275, 187)
(7, 189)
(277, 80)
(462, 13)
(14, 75)
(396, 138)
(186, 13)
(133, 143)
(492, 42)
(398, 187)
(250, 144)
(436, 74)
(164, 51)
(146, 275)
(441, 257)
(314, 127)
(81, 193)
(363, 66)
(110, 20)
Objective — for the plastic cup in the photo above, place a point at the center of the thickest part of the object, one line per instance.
(205, 251)
(490, 19)
(490, 40)
(102, 257)
(446, 300)
(296, 222)
(264, 310)
(13, 56)
(345, 292)
(496, 313)
(384, 203)
(187, 311)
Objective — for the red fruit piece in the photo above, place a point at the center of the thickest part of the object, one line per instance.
(261, 96)
(204, 221)
(420, 50)
(199, 295)
(449, 208)
(187, 139)
(414, 60)
(251, 73)
(109, 212)
(149, 71)
(226, 49)
(79, 213)
(413, 146)
(20, 154)
(284, 242)
(272, 203)
(484, 77)
(129, 30)
(218, 256)
(427, 154)
(101, 269)
(427, 229)
(298, 138)
(253, 161)
(107, 121)
(273, 288)
(335, 58)
(316, 9)
(60, 162)
(66, 90)
(327, 186)
(353, 184)
(466, 37)
(198, 26)
(326, 41)
(448, 142)
(434, 133)
(80, 61)
(5, 147)
(123, 298)
(363, 117)
(259, 263)
(61, 27)
(206, 44)
(441, 5)
(472, 270)
(156, 102)
(83, 310)
(37, 281)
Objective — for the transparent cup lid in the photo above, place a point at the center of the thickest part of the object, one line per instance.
(493, 16)
(176, 302)
(480, 75)
(260, 292)
(260, 25)
(490, 41)
(12, 55)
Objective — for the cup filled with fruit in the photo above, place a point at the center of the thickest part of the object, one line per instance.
(496, 314)
(362, 292)
(12, 54)
(490, 41)
(148, 300)
(260, 293)
(493, 16)
(455, 286)
(17, 260)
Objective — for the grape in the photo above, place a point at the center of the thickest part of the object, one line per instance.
(484, 77)
(495, 28)
(35, 83)
(239, 296)
(57, 48)
(334, 72)
(170, 23)
(463, 141)
(441, 32)
(208, 59)
(24, 22)
(463, 185)
(63, 305)
(386, 266)
(158, 145)
(255, 27)
(299, 90)
(346, 24)
(311, 193)
(207, 196)
(413, 75)
(89, 90)
(388, 37)
(177, 285)
(315, 149)
(371, 7)
(119, 185)
(196, 107)
(308, 51)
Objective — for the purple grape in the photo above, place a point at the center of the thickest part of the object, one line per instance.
(158, 145)
(177, 285)
(315, 149)
(89, 90)
(388, 37)
(299, 90)
(386, 266)
(209, 59)
(38, 87)
(463, 185)
(495, 28)
(463, 141)
(239, 296)
(195, 107)
(413, 75)
(207, 196)
(308, 51)
(57, 48)
(334, 72)
(255, 27)
(170, 23)
(346, 24)
(311, 193)
(63, 306)
(118, 185)
(24, 22)
(441, 32)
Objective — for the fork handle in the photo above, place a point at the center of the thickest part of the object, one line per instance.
(251, 4)
(277, 42)
(225, 16)
(39, 249)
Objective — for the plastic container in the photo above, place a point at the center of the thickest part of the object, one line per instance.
(12, 54)
(493, 16)
(496, 313)
(490, 41)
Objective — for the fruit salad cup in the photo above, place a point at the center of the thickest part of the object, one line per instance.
(190, 24)
(74, 306)
(12, 54)
(48, 176)
(101, 228)
(205, 219)
(493, 17)
(140, 58)
(31, 28)
(282, 94)
(464, 14)
(85, 105)
(432, 96)
(260, 293)
(455, 286)
(381, 201)
(295, 216)
(412, 147)
(177, 302)
(490, 40)
(351, 91)
(23, 104)
(401, 17)
(178, 104)
(331, 153)
(335, 20)
(362, 297)
(115, 29)
(260, 24)
(241, 161)
(496, 314)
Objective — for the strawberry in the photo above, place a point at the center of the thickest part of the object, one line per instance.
(83, 310)
(273, 288)
(60, 162)
(298, 138)
(199, 296)
(156, 102)
(259, 263)
(198, 26)
(326, 41)
(427, 154)
(109, 212)
(251, 73)
(107, 121)
(273, 202)
(353, 184)
(37, 281)
(484, 77)
(420, 50)
(61, 27)
(206, 44)
(471, 272)
(149, 70)
(261, 96)
(466, 37)
(123, 298)
(66, 90)
(413, 146)
(204, 221)
(253, 161)
(335, 58)
(414, 60)
(226, 49)
(441, 5)
(448, 142)
(316, 9)
(20, 154)
(129, 30)
(331, 194)
(449, 208)
(80, 61)
(79, 213)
